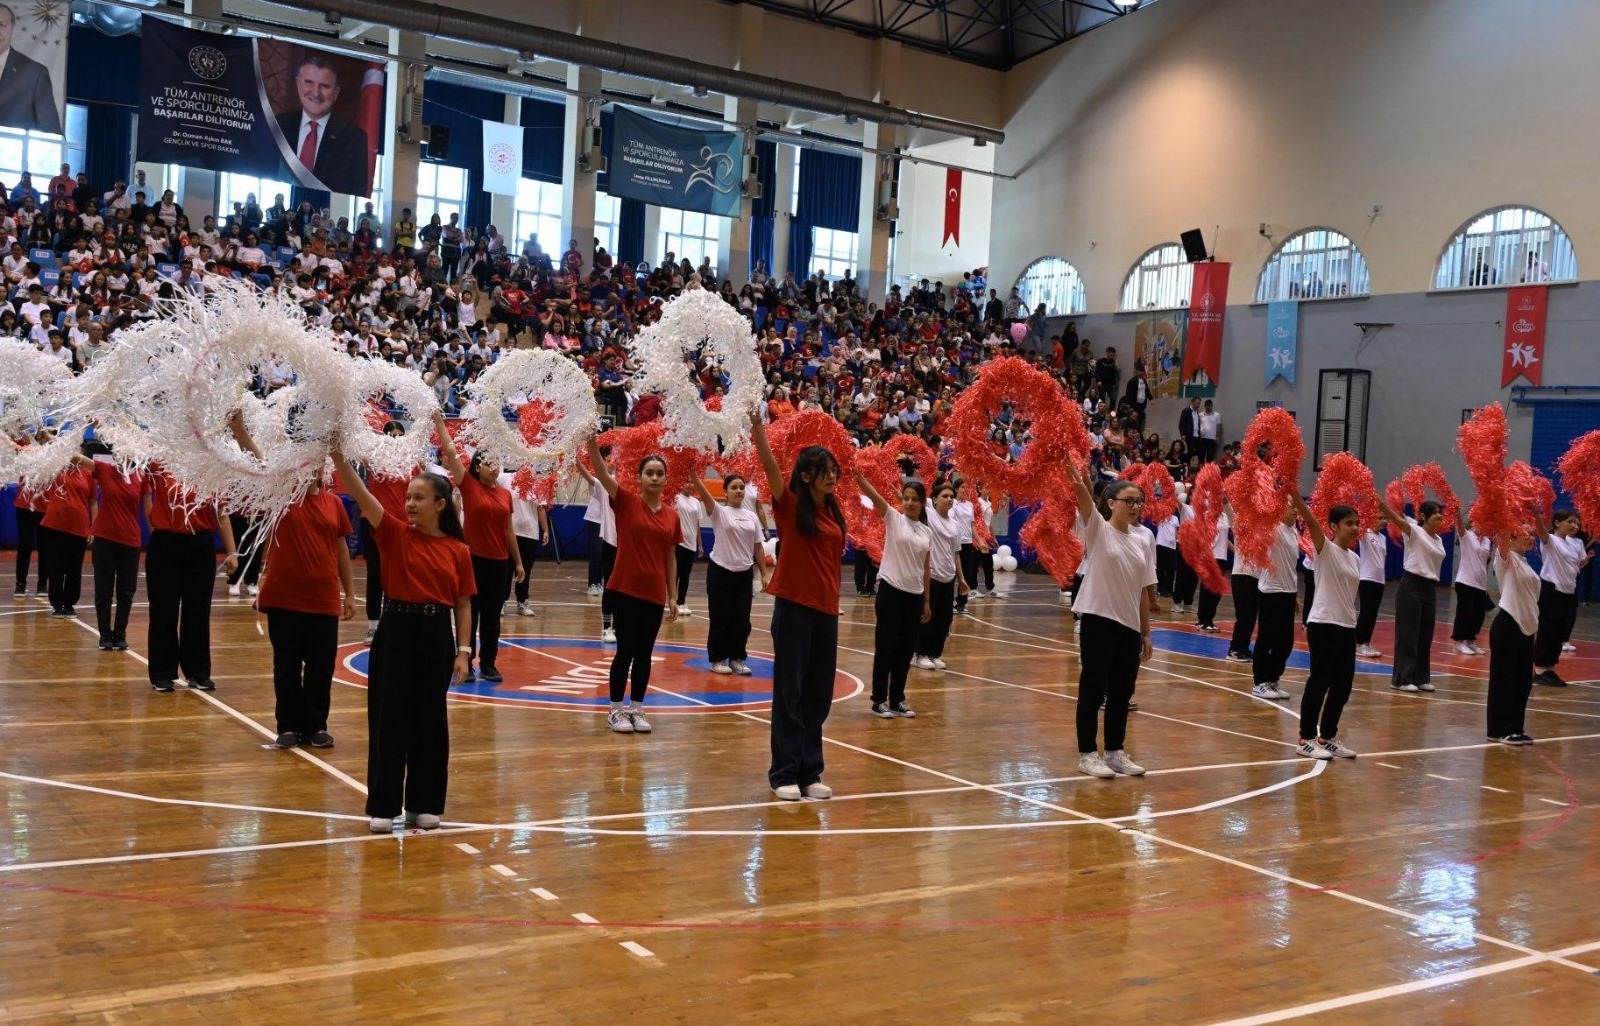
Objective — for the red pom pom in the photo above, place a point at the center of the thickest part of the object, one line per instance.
(1035, 397)
(879, 466)
(631, 445)
(1345, 481)
(1580, 476)
(540, 490)
(1258, 490)
(920, 453)
(1198, 534)
(982, 535)
(796, 432)
(1482, 444)
(1049, 534)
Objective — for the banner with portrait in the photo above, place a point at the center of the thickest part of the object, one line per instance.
(1208, 305)
(33, 75)
(668, 166)
(263, 107)
(1158, 340)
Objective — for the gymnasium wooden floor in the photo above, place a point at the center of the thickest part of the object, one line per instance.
(158, 865)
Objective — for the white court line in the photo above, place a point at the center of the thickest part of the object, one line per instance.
(543, 894)
(1552, 801)
(1496, 790)
(638, 949)
(584, 917)
(1453, 780)
(89, 788)
(1386, 765)
(468, 849)
(503, 870)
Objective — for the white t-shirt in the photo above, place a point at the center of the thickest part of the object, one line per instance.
(1561, 559)
(608, 520)
(1167, 533)
(1219, 548)
(591, 512)
(1424, 553)
(736, 532)
(906, 548)
(1124, 566)
(1472, 561)
(1279, 577)
(1519, 591)
(942, 555)
(524, 512)
(1338, 574)
(1374, 557)
(689, 510)
(962, 512)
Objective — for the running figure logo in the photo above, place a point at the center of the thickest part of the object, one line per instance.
(715, 171)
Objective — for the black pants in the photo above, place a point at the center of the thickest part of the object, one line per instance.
(178, 574)
(685, 569)
(1208, 451)
(986, 568)
(116, 572)
(252, 549)
(1275, 640)
(969, 570)
(408, 745)
(1370, 595)
(1246, 595)
(805, 652)
(894, 638)
(728, 598)
(1333, 674)
(637, 623)
(1108, 660)
(65, 553)
(1415, 612)
(591, 530)
(608, 560)
(528, 549)
(933, 634)
(1471, 605)
(369, 550)
(1166, 570)
(1184, 582)
(1206, 613)
(866, 573)
(1558, 614)
(493, 578)
(1510, 675)
(303, 650)
(27, 537)
(1308, 588)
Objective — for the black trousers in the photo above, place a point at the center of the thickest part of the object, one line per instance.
(27, 540)
(116, 572)
(1308, 588)
(1208, 450)
(528, 549)
(685, 559)
(1206, 612)
(1370, 596)
(932, 635)
(408, 729)
(178, 573)
(1166, 569)
(728, 598)
(866, 573)
(1184, 582)
(969, 570)
(1275, 639)
(1510, 675)
(805, 652)
(1333, 674)
(1558, 614)
(493, 578)
(591, 530)
(893, 639)
(986, 568)
(369, 550)
(1471, 605)
(637, 623)
(1415, 613)
(608, 559)
(303, 650)
(252, 550)
(1246, 595)
(1108, 660)
(65, 554)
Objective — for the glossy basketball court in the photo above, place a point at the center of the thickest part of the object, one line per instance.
(163, 864)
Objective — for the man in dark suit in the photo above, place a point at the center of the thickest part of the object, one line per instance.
(1189, 427)
(27, 98)
(333, 148)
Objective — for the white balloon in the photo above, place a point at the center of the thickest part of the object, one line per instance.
(1008, 564)
(1002, 552)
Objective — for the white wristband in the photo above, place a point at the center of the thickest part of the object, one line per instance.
(464, 649)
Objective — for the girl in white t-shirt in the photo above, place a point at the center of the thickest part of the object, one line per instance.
(736, 557)
(1278, 584)
(1472, 589)
(1511, 640)
(1330, 629)
(1374, 573)
(1206, 613)
(1562, 555)
(945, 583)
(530, 523)
(1416, 608)
(902, 601)
(688, 550)
(1114, 624)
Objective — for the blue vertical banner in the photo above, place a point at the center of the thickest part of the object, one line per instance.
(1283, 340)
(669, 166)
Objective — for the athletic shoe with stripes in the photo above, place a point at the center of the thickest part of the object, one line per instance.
(1312, 750)
(1338, 749)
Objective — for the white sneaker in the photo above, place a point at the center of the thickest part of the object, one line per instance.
(1268, 690)
(381, 825)
(1567, 646)
(1278, 687)
(1092, 764)
(685, 611)
(636, 716)
(939, 664)
(1367, 652)
(372, 632)
(1405, 687)
(1425, 686)
(608, 636)
(722, 668)
(1336, 748)
(738, 667)
(921, 662)
(819, 791)
(1462, 648)
(233, 589)
(594, 589)
(252, 590)
(1119, 763)
(523, 609)
(788, 792)
(426, 821)
(1477, 649)
(1077, 626)
(1312, 750)
(619, 721)
(1066, 598)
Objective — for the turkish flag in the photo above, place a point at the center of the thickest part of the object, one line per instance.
(952, 206)
(1523, 355)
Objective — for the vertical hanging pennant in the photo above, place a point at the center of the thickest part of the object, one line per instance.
(502, 158)
(1523, 355)
(1283, 340)
(1208, 302)
(952, 206)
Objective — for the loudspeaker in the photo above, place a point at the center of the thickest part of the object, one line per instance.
(1194, 245)
(438, 142)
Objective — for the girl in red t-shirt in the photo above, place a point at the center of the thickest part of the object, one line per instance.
(65, 533)
(642, 583)
(114, 553)
(428, 588)
(496, 558)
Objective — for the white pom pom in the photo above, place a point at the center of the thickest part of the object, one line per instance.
(1002, 552)
(518, 379)
(33, 385)
(361, 436)
(698, 322)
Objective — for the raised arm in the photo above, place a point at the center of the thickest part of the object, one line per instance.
(1400, 522)
(241, 434)
(449, 457)
(769, 462)
(879, 503)
(707, 500)
(371, 508)
(1080, 489)
(1319, 537)
(1539, 528)
(602, 473)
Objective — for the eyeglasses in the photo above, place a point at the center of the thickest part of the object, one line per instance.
(1135, 503)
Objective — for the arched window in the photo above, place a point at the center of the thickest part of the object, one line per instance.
(1055, 283)
(1318, 263)
(1161, 280)
(1507, 246)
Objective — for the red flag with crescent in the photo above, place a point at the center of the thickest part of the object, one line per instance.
(952, 206)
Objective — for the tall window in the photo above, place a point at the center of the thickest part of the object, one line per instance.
(689, 235)
(1161, 280)
(1318, 263)
(832, 252)
(233, 188)
(1055, 283)
(358, 204)
(42, 154)
(607, 215)
(539, 213)
(442, 190)
(1507, 246)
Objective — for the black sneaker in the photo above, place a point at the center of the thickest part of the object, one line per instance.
(61, 614)
(903, 711)
(881, 711)
(287, 739)
(1523, 739)
(1133, 706)
(1210, 628)
(203, 685)
(119, 644)
(320, 739)
(22, 591)
(163, 685)
(490, 674)
(1549, 679)
(106, 643)
(1506, 739)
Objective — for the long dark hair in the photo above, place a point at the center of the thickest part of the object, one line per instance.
(1110, 493)
(813, 460)
(449, 519)
(922, 494)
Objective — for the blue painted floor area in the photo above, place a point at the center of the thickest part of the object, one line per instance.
(1215, 646)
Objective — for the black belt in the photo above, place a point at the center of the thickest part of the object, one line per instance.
(417, 608)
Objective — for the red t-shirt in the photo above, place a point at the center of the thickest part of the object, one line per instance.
(69, 497)
(488, 515)
(390, 493)
(117, 519)
(420, 568)
(303, 558)
(645, 541)
(808, 566)
(27, 500)
(173, 510)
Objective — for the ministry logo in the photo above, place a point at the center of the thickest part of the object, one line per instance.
(503, 159)
(208, 62)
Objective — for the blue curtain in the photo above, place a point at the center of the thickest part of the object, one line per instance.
(463, 110)
(543, 125)
(630, 232)
(108, 151)
(763, 210)
(830, 197)
(318, 198)
(478, 212)
(100, 68)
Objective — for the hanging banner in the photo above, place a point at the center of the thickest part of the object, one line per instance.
(34, 75)
(259, 107)
(674, 167)
(952, 206)
(502, 157)
(1158, 341)
(1526, 306)
(1283, 340)
(1202, 354)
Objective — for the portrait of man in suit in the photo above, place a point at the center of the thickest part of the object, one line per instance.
(334, 148)
(27, 97)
